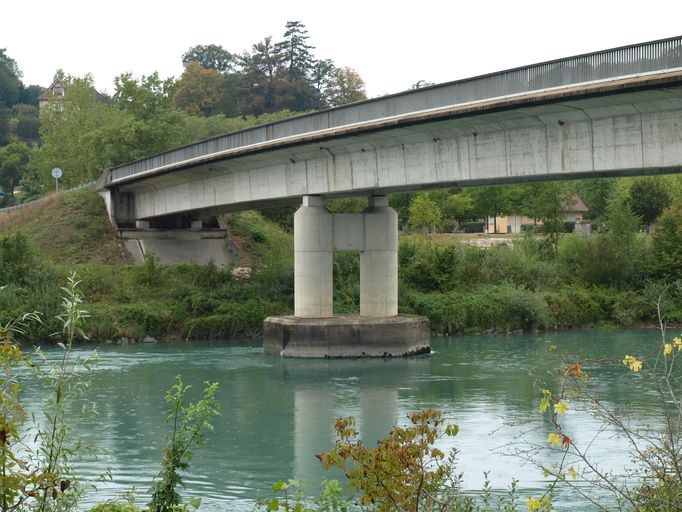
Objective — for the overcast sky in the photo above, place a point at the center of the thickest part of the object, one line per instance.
(392, 44)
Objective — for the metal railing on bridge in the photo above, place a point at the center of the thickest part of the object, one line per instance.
(661, 55)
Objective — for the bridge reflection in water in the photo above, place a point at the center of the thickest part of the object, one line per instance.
(278, 413)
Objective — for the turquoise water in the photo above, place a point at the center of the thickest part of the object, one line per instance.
(277, 414)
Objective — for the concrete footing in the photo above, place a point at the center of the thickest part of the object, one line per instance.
(346, 336)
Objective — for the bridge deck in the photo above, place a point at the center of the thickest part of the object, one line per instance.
(654, 56)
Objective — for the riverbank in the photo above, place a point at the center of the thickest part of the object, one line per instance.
(462, 289)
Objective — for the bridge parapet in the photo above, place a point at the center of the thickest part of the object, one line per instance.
(637, 59)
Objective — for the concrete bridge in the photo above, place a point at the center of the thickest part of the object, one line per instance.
(610, 113)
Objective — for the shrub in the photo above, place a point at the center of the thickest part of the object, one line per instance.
(405, 471)
(520, 267)
(232, 319)
(258, 234)
(432, 266)
(135, 320)
(574, 306)
(188, 422)
(18, 261)
(500, 307)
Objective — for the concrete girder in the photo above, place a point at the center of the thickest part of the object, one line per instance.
(617, 135)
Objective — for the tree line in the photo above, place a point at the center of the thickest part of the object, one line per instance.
(84, 132)
(273, 76)
(18, 104)
(452, 209)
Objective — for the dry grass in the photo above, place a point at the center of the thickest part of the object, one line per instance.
(68, 228)
(11, 219)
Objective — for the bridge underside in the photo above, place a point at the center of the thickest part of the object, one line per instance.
(623, 127)
(503, 141)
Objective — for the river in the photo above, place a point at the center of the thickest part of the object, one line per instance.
(277, 414)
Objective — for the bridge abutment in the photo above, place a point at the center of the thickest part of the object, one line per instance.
(314, 331)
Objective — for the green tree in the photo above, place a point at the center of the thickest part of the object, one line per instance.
(296, 91)
(667, 240)
(322, 78)
(425, 214)
(83, 135)
(648, 198)
(490, 202)
(199, 91)
(29, 95)
(10, 92)
(27, 122)
(622, 223)
(211, 56)
(149, 100)
(550, 204)
(294, 52)
(14, 164)
(10, 80)
(454, 204)
(346, 87)
(4, 125)
(18, 482)
(260, 75)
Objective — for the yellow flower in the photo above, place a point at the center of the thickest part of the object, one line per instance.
(634, 363)
(667, 349)
(533, 504)
(554, 438)
(678, 343)
(572, 473)
(561, 407)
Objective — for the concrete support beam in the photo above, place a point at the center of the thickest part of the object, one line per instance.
(314, 332)
(317, 233)
(379, 260)
(313, 249)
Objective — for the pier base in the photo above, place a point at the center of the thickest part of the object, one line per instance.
(346, 336)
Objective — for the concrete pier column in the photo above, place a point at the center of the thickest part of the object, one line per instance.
(313, 248)
(379, 260)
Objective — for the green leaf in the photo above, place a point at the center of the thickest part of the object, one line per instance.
(273, 504)
(278, 486)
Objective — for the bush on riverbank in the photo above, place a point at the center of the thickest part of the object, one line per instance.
(596, 280)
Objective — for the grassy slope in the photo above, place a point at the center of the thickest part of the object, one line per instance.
(68, 229)
(72, 232)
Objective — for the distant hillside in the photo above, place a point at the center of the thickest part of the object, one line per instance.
(68, 229)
